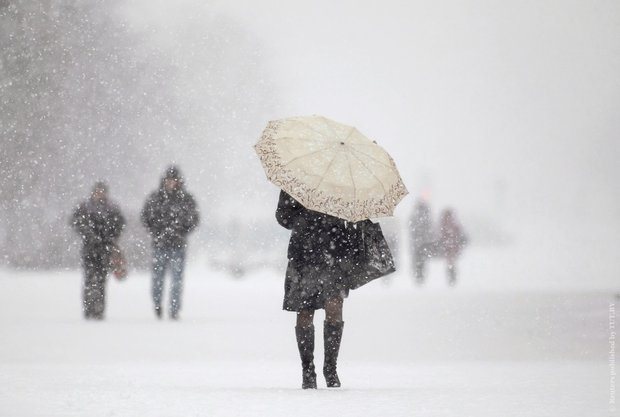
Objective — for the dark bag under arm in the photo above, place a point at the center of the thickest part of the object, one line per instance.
(374, 258)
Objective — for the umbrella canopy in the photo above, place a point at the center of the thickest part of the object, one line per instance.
(330, 167)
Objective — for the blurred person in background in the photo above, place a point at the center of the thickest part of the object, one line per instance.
(422, 239)
(169, 215)
(99, 223)
(451, 242)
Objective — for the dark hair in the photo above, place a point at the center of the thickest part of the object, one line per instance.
(100, 185)
(173, 172)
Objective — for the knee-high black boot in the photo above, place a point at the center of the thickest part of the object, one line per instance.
(332, 336)
(305, 343)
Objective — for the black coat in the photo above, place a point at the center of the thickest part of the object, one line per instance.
(99, 224)
(169, 217)
(326, 243)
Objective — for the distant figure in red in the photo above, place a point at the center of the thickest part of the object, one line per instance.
(451, 242)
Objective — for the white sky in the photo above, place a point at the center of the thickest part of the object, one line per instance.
(470, 97)
(469, 91)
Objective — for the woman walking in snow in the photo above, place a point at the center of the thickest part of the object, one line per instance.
(343, 179)
(319, 255)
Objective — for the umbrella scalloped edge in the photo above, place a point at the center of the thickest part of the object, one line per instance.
(316, 200)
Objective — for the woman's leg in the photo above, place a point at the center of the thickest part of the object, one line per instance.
(304, 332)
(305, 318)
(333, 310)
(332, 336)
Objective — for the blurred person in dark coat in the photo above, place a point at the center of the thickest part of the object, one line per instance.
(422, 239)
(169, 215)
(451, 242)
(99, 223)
(320, 255)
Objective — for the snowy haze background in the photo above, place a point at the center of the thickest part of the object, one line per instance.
(504, 111)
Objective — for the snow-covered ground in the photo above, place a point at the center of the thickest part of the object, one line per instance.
(407, 351)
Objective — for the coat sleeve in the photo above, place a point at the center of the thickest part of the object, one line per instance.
(75, 219)
(118, 223)
(192, 215)
(289, 210)
(463, 238)
(79, 222)
(147, 215)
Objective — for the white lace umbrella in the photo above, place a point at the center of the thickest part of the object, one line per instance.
(330, 168)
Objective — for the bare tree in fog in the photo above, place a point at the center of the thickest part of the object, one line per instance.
(75, 93)
(84, 95)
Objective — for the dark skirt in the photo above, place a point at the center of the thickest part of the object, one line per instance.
(308, 287)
